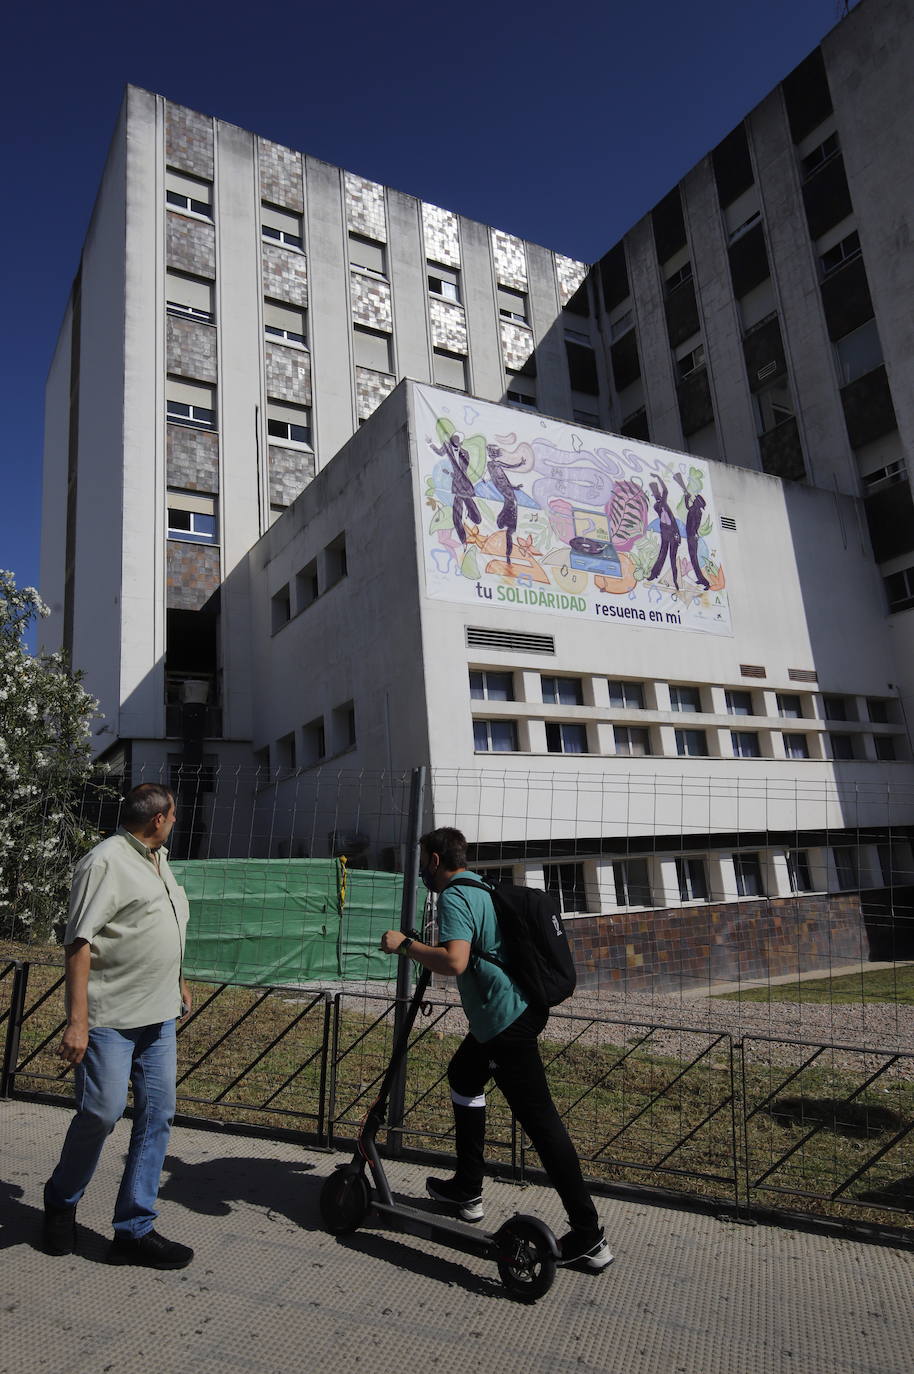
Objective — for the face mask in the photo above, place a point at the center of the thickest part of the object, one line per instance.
(427, 874)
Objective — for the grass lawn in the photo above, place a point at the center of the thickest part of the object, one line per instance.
(877, 985)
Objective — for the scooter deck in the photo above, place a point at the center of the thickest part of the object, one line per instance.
(451, 1230)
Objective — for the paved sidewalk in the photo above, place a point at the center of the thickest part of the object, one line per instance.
(271, 1293)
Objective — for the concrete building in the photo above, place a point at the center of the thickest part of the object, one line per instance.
(237, 477)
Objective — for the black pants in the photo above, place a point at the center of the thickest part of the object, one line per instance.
(513, 1060)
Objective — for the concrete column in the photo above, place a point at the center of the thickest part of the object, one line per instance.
(776, 874)
(664, 881)
(487, 368)
(553, 390)
(536, 736)
(667, 738)
(721, 878)
(653, 342)
(603, 736)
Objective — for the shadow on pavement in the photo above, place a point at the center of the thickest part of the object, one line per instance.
(211, 1186)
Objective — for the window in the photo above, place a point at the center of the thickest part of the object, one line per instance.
(186, 295)
(746, 744)
(899, 588)
(286, 322)
(819, 156)
(841, 253)
(691, 744)
(586, 417)
(306, 585)
(444, 282)
(877, 710)
(489, 686)
(289, 424)
(679, 277)
(336, 563)
(858, 352)
(564, 738)
(693, 882)
(796, 746)
(841, 746)
(684, 698)
(190, 403)
(690, 362)
(748, 872)
(192, 517)
(512, 305)
(495, 736)
(627, 695)
(183, 192)
(632, 740)
(496, 874)
(372, 348)
(520, 391)
(562, 691)
(798, 871)
(343, 724)
(885, 476)
(567, 882)
(633, 884)
(280, 608)
(847, 867)
(835, 708)
(314, 742)
(622, 325)
(450, 369)
(280, 226)
(285, 751)
(789, 706)
(368, 255)
(773, 406)
(739, 703)
(885, 748)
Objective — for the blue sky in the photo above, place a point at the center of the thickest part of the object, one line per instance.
(561, 125)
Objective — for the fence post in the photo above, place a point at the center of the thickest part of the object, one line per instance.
(397, 1104)
(14, 1027)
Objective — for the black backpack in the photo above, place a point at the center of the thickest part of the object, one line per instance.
(537, 955)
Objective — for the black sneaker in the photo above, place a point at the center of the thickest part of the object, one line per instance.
(587, 1248)
(59, 1231)
(151, 1250)
(467, 1202)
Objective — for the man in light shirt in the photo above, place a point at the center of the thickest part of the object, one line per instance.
(125, 992)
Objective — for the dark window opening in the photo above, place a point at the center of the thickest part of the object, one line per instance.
(732, 166)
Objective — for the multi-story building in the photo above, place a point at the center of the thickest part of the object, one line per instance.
(242, 310)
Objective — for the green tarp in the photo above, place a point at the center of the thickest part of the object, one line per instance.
(287, 920)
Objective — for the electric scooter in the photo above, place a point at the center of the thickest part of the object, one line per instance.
(524, 1248)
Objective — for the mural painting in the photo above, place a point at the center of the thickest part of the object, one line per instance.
(523, 511)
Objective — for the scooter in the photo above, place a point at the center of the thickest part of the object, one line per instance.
(524, 1248)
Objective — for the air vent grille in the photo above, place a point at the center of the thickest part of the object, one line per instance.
(509, 640)
(802, 675)
(727, 522)
(752, 670)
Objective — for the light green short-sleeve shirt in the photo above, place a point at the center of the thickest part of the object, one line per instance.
(134, 919)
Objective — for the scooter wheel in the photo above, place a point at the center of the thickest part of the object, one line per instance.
(525, 1258)
(344, 1201)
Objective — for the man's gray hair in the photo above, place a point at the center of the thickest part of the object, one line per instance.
(143, 802)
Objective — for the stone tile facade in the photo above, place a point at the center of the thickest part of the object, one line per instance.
(370, 390)
(449, 325)
(189, 141)
(285, 274)
(190, 348)
(280, 175)
(694, 946)
(440, 229)
(192, 458)
(516, 344)
(371, 304)
(192, 574)
(190, 245)
(570, 274)
(288, 373)
(510, 258)
(290, 472)
(366, 212)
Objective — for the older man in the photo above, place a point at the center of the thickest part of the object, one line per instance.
(125, 991)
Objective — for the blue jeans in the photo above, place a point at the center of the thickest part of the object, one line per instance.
(144, 1057)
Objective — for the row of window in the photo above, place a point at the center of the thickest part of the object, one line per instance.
(636, 882)
(566, 690)
(313, 743)
(317, 576)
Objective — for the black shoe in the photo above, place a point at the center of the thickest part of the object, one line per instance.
(587, 1248)
(151, 1250)
(467, 1202)
(59, 1231)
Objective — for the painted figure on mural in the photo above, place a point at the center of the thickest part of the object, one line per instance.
(670, 537)
(507, 516)
(461, 487)
(695, 510)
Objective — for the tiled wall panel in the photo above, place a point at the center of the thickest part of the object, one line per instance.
(290, 472)
(365, 210)
(516, 345)
(510, 258)
(189, 141)
(288, 374)
(190, 245)
(370, 301)
(192, 458)
(441, 234)
(192, 575)
(371, 388)
(280, 175)
(449, 326)
(570, 274)
(285, 274)
(190, 348)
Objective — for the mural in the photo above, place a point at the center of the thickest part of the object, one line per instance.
(525, 511)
